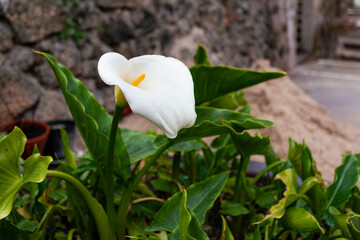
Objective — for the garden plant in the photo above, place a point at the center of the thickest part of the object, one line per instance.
(176, 185)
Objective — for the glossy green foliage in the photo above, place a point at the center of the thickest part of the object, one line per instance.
(189, 226)
(211, 82)
(300, 220)
(249, 145)
(69, 155)
(211, 122)
(229, 101)
(11, 178)
(345, 179)
(233, 208)
(292, 193)
(201, 57)
(302, 161)
(341, 221)
(139, 145)
(301, 158)
(353, 224)
(200, 198)
(226, 232)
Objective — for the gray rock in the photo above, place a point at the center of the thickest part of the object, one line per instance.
(119, 28)
(93, 47)
(65, 51)
(21, 57)
(45, 75)
(89, 69)
(52, 107)
(106, 98)
(18, 93)
(116, 3)
(34, 20)
(6, 37)
(90, 16)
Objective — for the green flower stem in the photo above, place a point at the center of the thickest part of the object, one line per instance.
(125, 200)
(265, 170)
(239, 195)
(101, 220)
(48, 213)
(175, 175)
(241, 170)
(109, 176)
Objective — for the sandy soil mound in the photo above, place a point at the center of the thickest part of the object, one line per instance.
(298, 116)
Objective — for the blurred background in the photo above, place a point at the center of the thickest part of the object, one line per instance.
(316, 41)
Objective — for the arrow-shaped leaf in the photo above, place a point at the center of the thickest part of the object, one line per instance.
(300, 220)
(211, 82)
(346, 177)
(200, 198)
(11, 179)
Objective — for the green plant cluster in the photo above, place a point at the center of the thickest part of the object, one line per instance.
(178, 188)
(72, 24)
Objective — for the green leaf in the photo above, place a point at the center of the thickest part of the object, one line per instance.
(264, 198)
(354, 202)
(341, 221)
(288, 177)
(210, 122)
(92, 120)
(70, 157)
(139, 145)
(229, 101)
(248, 145)
(11, 179)
(27, 225)
(257, 234)
(300, 156)
(300, 220)
(233, 208)
(292, 193)
(20, 222)
(345, 179)
(211, 82)
(200, 198)
(353, 224)
(245, 109)
(192, 145)
(148, 208)
(226, 232)
(189, 226)
(164, 185)
(201, 57)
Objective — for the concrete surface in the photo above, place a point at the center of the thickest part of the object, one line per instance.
(334, 84)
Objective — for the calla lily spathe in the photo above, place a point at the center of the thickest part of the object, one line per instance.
(157, 88)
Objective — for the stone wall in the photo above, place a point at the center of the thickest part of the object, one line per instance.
(77, 33)
(330, 28)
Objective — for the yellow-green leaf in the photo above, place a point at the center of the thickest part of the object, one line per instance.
(300, 220)
(11, 178)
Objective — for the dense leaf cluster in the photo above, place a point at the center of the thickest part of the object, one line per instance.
(178, 188)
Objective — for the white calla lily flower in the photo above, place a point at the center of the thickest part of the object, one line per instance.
(157, 88)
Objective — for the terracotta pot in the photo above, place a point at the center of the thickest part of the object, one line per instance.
(36, 132)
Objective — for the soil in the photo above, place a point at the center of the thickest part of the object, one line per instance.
(31, 131)
(298, 116)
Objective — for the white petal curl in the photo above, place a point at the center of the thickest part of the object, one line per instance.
(165, 96)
